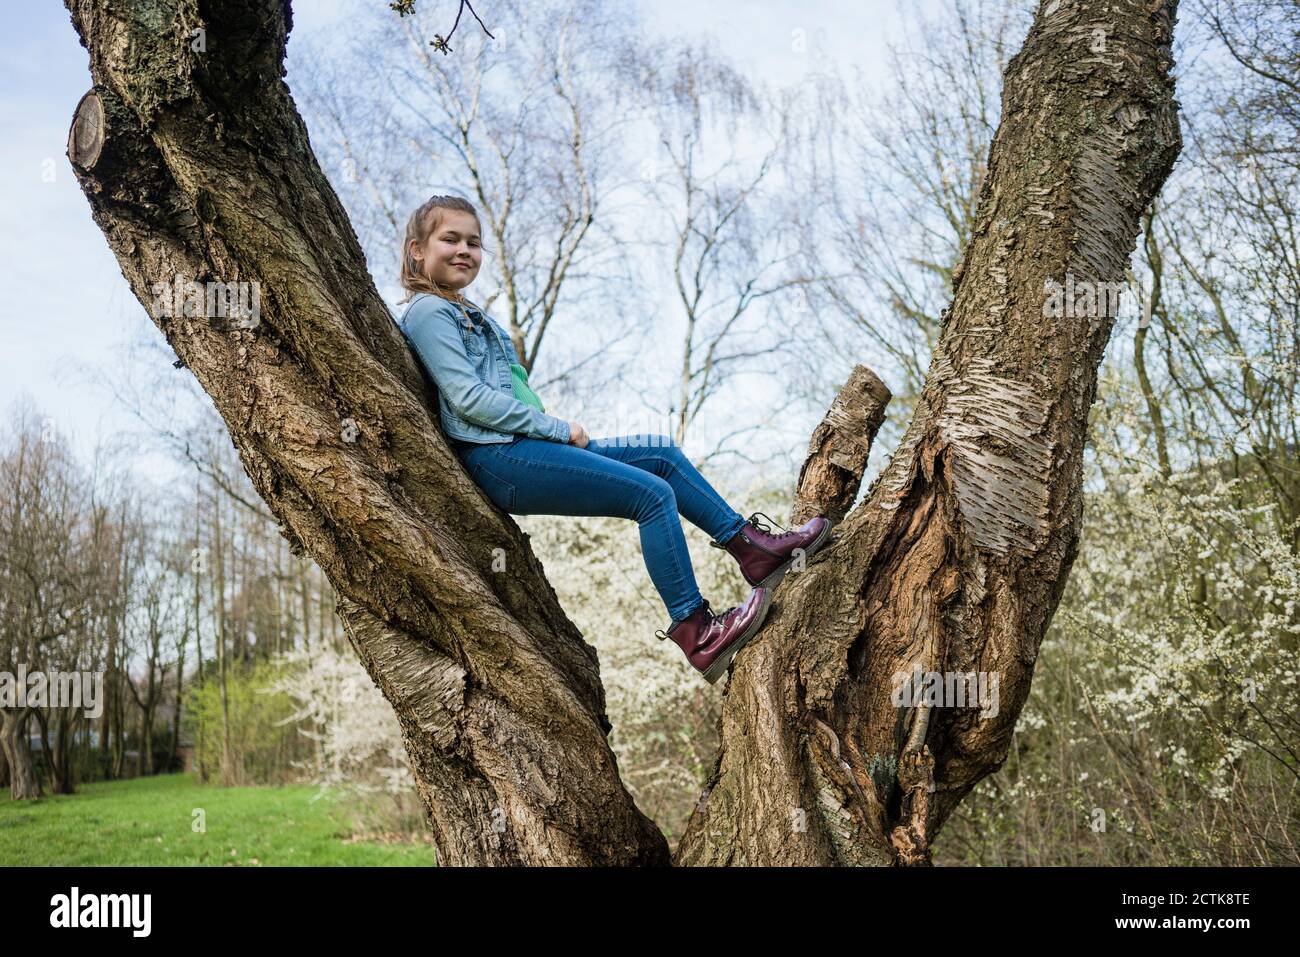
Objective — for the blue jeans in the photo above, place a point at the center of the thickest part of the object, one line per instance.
(646, 478)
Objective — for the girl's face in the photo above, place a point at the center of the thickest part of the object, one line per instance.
(455, 242)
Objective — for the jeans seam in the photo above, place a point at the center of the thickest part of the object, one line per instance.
(514, 489)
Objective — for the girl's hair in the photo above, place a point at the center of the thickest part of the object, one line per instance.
(422, 223)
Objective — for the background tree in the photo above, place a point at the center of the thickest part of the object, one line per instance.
(526, 125)
(725, 238)
(43, 595)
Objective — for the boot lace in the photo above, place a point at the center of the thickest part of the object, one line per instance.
(765, 527)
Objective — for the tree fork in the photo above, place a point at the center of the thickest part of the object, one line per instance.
(197, 164)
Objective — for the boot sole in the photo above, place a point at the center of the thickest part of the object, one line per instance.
(774, 578)
(719, 667)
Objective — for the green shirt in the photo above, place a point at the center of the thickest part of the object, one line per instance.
(524, 394)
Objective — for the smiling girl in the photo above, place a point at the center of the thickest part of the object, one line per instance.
(531, 463)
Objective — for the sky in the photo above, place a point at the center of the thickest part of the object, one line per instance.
(66, 312)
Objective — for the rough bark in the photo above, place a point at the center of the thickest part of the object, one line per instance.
(23, 780)
(957, 557)
(197, 164)
(838, 451)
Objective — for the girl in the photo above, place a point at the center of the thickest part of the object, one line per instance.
(530, 463)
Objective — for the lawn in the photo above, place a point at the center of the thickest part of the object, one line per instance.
(149, 821)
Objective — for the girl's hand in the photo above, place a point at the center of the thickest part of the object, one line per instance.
(577, 435)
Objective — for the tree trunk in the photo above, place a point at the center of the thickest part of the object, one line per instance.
(228, 775)
(144, 762)
(174, 742)
(197, 164)
(23, 781)
(197, 564)
(957, 558)
(42, 723)
(63, 779)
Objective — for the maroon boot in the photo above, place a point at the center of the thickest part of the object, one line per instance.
(710, 641)
(764, 557)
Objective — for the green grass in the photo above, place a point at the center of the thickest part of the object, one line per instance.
(148, 821)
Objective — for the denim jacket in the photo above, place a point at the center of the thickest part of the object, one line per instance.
(469, 362)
